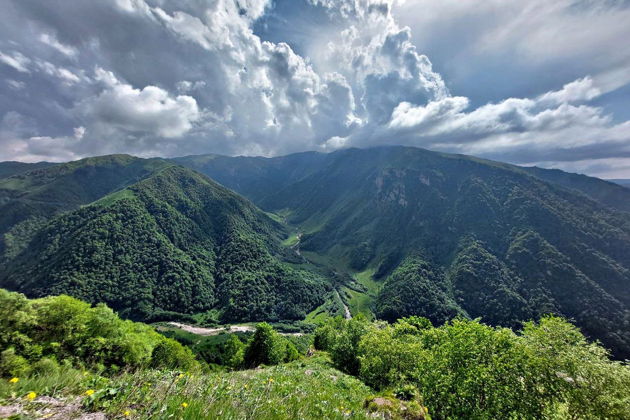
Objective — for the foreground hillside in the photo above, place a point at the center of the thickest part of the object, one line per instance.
(62, 358)
(441, 235)
(309, 389)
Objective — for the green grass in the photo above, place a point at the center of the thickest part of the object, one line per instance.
(114, 197)
(319, 314)
(330, 308)
(362, 302)
(291, 240)
(66, 381)
(306, 389)
(278, 218)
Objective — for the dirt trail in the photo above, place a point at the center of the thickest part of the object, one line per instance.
(216, 331)
(346, 311)
(296, 246)
(44, 407)
(212, 331)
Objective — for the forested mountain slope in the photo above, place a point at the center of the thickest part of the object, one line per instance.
(11, 168)
(175, 242)
(30, 198)
(257, 177)
(606, 192)
(460, 234)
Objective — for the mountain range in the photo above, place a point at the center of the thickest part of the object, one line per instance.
(388, 231)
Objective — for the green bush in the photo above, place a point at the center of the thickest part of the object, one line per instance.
(575, 372)
(291, 352)
(325, 335)
(233, 352)
(66, 329)
(266, 347)
(12, 364)
(477, 372)
(45, 367)
(386, 359)
(172, 355)
(344, 350)
(465, 369)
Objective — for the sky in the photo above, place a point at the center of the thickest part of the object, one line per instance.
(530, 82)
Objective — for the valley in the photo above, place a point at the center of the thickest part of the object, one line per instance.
(387, 232)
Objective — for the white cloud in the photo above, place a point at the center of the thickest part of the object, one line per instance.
(581, 90)
(552, 111)
(52, 41)
(66, 76)
(150, 110)
(19, 144)
(18, 61)
(187, 86)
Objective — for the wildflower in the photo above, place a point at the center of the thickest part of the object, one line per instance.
(126, 413)
(31, 396)
(180, 376)
(184, 404)
(270, 380)
(14, 380)
(89, 392)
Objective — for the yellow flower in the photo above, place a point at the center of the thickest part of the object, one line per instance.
(180, 376)
(14, 380)
(31, 396)
(89, 392)
(270, 380)
(126, 413)
(184, 404)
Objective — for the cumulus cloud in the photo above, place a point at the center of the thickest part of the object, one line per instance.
(150, 77)
(581, 90)
(149, 110)
(545, 128)
(19, 143)
(518, 46)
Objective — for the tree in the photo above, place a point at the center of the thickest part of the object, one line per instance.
(233, 352)
(267, 347)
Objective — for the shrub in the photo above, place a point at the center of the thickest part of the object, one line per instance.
(66, 329)
(465, 369)
(233, 352)
(575, 372)
(45, 367)
(477, 372)
(12, 364)
(266, 347)
(387, 359)
(291, 352)
(172, 355)
(345, 347)
(325, 335)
